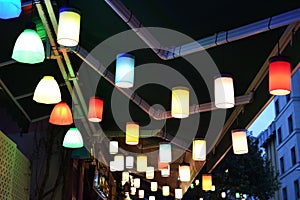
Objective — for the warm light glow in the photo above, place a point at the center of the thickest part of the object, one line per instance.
(199, 150)
(119, 162)
(10, 9)
(141, 163)
(224, 91)
(61, 114)
(184, 173)
(180, 102)
(129, 162)
(153, 186)
(151, 197)
(279, 75)
(112, 166)
(132, 190)
(206, 182)
(73, 139)
(223, 194)
(95, 109)
(165, 152)
(137, 182)
(213, 188)
(165, 190)
(150, 173)
(125, 176)
(165, 172)
(197, 182)
(239, 141)
(29, 47)
(178, 193)
(141, 193)
(113, 147)
(124, 70)
(132, 133)
(47, 91)
(68, 27)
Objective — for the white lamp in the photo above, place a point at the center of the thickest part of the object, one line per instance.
(239, 141)
(224, 91)
(199, 150)
(47, 91)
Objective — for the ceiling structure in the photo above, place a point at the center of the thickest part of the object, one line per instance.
(102, 27)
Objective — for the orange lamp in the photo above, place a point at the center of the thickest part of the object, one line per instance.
(95, 109)
(279, 75)
(206, 182)
(61, 114)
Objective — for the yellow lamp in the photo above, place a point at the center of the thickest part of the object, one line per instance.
(132, 133)
(165, 190)
(141, 163)
(180, 102)
(206, 182)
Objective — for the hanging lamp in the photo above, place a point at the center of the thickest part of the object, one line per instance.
(124, 70)
(113, 147)
(153, 186)
(95, 111)
(150, 172)
(165, 190)
(151, 197)
(129, 162)
(125, 176)
(68, 27)
(141, 163)
(165, 152)
(178, 193)
(141, 194)
(180, 107)
(224, 91)
(132, 133)
(61, 114)
(206, 182)
(165, 172)
(239, 141)
(132, 190)
(73, 139)
(184, 171)
(137, 182)
(199, 150)
(47, 91)
(10, 9)
(119, 162)
(29, 47)
(279, 75)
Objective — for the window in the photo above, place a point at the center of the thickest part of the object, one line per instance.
(281, 165)
(284, 194)
(276, 107)
(297, 191)
(290, 123)
(293, 156)
(279, 135)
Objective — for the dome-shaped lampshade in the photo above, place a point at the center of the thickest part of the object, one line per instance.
(73, 139)
(124, 70)
(180, 107)
(10, 9)
(206, 182)
(239, 141)
(279, 75)
(199, 150)
(47, 91)
(132, 133)
(95, 109)
(29, 47)
(61, 114)
(224, 91)
(68, 27)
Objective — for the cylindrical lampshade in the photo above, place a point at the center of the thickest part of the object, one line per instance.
(112, 166)
(151, 197)
(178, 193)
(279, 75)
(47, 91)
(29, 47)
(239, 141)
(119, 162)
(197, 182)
(95, 109)
(213, 188)
(73, 139)
(165, 152)
(124, 70)
(223, 195)
(141, 163)
(137, 182)
(224, 91)
(68, 27)
(141, 194)
(113, 147)
(165, 190)
(61, 114)
(150, 173)
(129, 162)
(199, 150)
(180, 102)
(162, 165)
(125, 176)
(10, 9)
(153, 186)
(184, 172)
(132, 190)
(206, 182)
(132, 133)
(165, 172)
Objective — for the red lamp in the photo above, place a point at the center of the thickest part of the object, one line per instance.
(61, 114)
(279, 75)
(95, 109)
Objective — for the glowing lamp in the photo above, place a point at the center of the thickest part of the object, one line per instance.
(141, 194)
(119, 162)
(151, 197)
(132, 133)
(129, 162)
(184, 172)
(162, 165)
(68, 27)
(180, 107)
(150, 173)
(10, 9)
(47, 91)
(73, 139)
(137, 182)
(239, 141)
(124, 70)
(223, 195)
(113, 147)
(279, 75)
(29, 47)
(178, 193)
(95, 109)
(224, 91)
(141, 163)
(61, 114)
(165, 152)
(206, 182)
(112, 166)
(132, 190)
(165, 190)
(125, 176)
(197, 182)
(213, 188)
(153, 186)
(165, 172)
(199, 150)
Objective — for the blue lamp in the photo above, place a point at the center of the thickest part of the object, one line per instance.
(124, 70)
(10, 9)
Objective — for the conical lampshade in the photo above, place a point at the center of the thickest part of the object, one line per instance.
(10, 9)
(95, 109)
(29, 47)
(61, 114)
(47, 91)
(73, 139)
